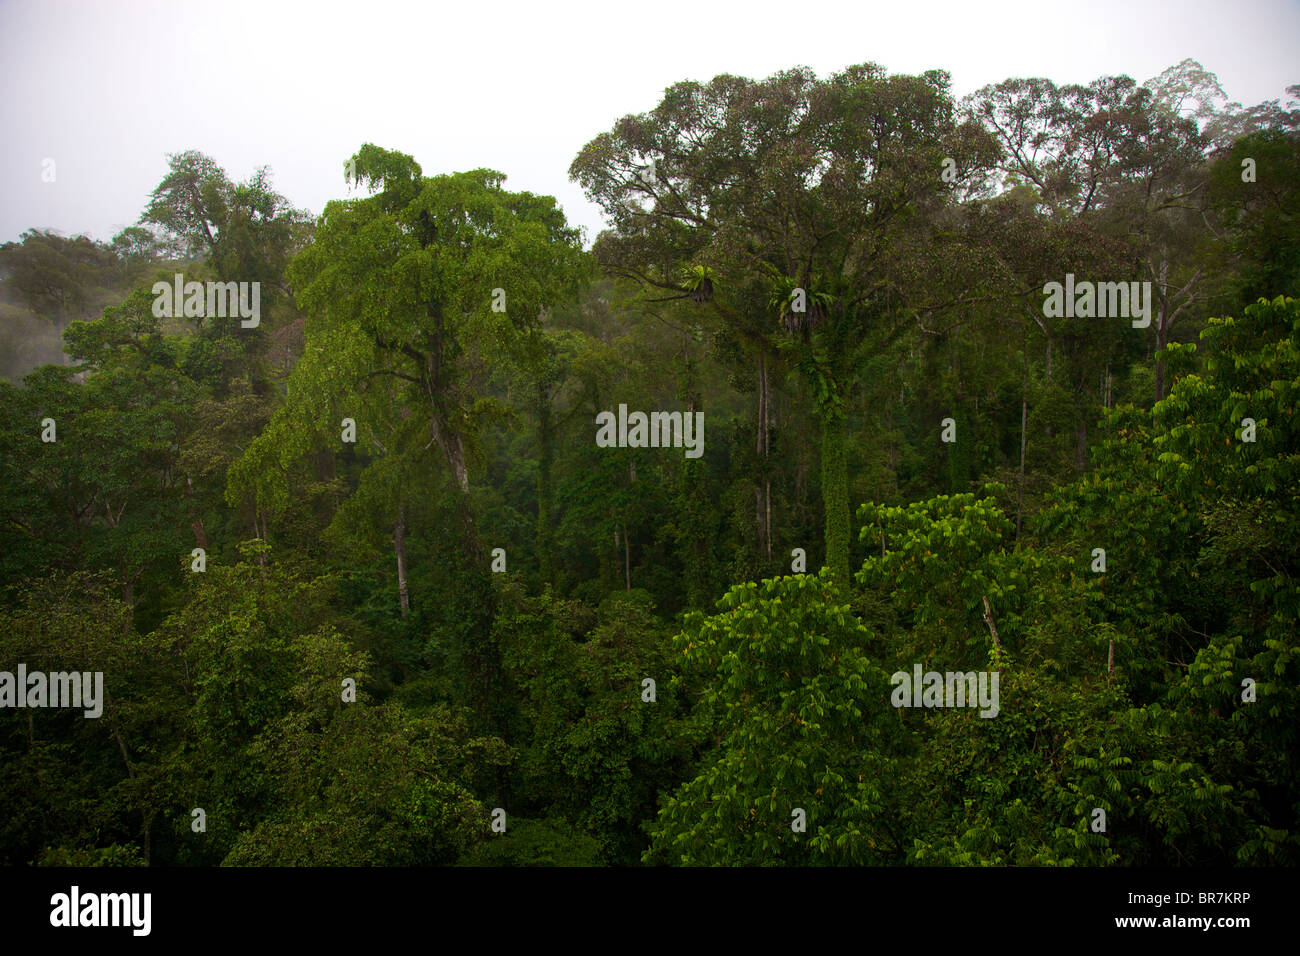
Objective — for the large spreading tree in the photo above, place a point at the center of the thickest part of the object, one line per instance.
(798, 186)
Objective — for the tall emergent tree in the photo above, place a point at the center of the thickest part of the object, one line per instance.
(424, 283)
(817, 182)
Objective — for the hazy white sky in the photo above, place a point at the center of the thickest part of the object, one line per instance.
(106, 89)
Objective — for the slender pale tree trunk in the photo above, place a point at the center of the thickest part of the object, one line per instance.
(988, 619)
(1162, 328)
(399, 545)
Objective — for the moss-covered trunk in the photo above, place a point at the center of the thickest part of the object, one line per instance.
(835, 496)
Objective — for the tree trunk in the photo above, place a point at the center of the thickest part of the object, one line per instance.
(767, 498)
(448, 438)
(1162, 329)
(1081, 442)
(627, 559)
(546, 439)
(477, 597)
(325, 467)
(399, 545)
(762, 486)
(458, 462)
(1047, 373)
(835, 497)
(609, 567)
(117, 733)
(988, 619)
(261, 533)
(1162, 340)
(200, 533)
(453, 449)
(128, 598)
(1020, 492)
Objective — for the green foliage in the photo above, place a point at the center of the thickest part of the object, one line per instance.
(642, 683)
(799, 718)
(371, 786)
(592, 748)
(536, 843)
